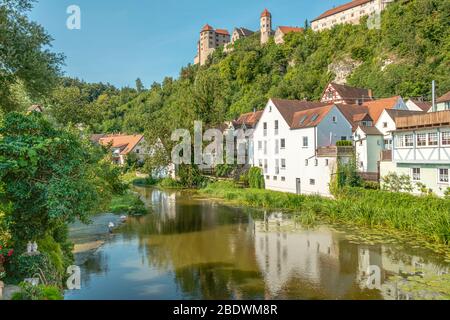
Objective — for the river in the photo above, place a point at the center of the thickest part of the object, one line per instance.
(194, 248)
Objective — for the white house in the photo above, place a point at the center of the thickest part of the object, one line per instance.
(368, 146)
(442, 103)
(421, 149)
(416, 105)
(295, 145)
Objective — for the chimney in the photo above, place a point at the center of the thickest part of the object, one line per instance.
(370, 94)
(254, 110)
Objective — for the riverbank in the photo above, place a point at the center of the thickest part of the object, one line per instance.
(426, 218)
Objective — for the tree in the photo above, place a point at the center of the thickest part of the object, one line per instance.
(50, 176)
(139, 85)
(24, 58)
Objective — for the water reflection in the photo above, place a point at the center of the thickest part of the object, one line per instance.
(197, 249)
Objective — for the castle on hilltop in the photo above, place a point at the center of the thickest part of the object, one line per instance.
(211, 39)
(351, 12)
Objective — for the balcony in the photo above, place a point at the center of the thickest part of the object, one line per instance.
(429, 120)
(334, 151)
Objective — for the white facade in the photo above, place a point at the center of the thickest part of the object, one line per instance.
(368, 148)
(424, 155)
(288, 156)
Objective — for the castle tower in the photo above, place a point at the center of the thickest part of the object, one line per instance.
(207, 43)
(266, 26)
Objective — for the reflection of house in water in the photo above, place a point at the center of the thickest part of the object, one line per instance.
(309, 258)
(390, 264)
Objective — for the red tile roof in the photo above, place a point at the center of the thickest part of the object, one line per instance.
(249, 119)
(310, 117)
(376, 107)
(223, 31)
(288, 108)
(354, 113)
(266, 13)
(123, 142)
(207, 27)
(286, 30)
(444, 98)
(341, 8)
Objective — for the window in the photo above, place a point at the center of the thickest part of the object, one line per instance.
(265, 128)
(343, 138)
(137, 151)
(361, 164)
(283, 143)
(283, 178)
(384, 124)
(277, 166)
(275, 178)
(259, 145)
(312, 182)
(443, 176)
(446, 138)
(283, 164)
(305, 142)
(409, 140)
(306, 162)
(416, 174)
(334, 119)
(327, 162)
(316, 162)
(265, 147)
(276, 127)
(265, 165)
(433, 139)
(267, 177)
(421, 139)
(260, 163)
(277, 146)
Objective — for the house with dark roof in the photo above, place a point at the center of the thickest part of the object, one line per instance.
(344, 94)
(418, 105)
(295, 145)
(350, 12)
(442, 103)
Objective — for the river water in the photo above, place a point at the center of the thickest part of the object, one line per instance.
(193, 248)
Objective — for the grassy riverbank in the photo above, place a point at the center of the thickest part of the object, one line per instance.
(427, 217)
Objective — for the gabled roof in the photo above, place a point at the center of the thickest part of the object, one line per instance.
(355, 114)
(376, 107)
(288, 108)
(266, 13)
(341, 8)
(223, 31)
(350, 94)
(207, 27)
(249, 119)
(370, 131)
(310, 117)
(444, 98)
(424, 105)
(95, 138)
(123, 142)
(286, 30)
(243, 32)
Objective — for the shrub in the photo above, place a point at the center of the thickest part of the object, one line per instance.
(447, 193)
(39, 292)
(31, 266)
(371, 185)
(128, 203)
(395, 183)
(344, 143)
(169, 183)
(256, 178)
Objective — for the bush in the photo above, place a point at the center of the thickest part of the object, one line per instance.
(35, 266)
(371, 185)
(39, 292)
(344, 143)
(447, 193)
(129, 204)
(256, 178)
(397, 183)
(169, 183)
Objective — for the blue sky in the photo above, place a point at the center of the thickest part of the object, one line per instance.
(121, 40)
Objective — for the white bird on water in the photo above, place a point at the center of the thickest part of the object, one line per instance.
(110, 227)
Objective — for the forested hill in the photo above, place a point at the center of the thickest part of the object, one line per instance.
(411, 48)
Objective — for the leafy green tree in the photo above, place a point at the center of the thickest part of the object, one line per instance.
(25, 61)
(50, 176)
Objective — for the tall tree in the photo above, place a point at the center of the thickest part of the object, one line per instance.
(139, 85)
(24, 57)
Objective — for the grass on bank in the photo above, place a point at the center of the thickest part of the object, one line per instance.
(426, 216)
(128, 203)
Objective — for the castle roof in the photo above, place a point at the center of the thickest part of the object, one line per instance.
(266, 13)
(222, 31)
(207, 27)
(286, 30)
(344, 7)
(244, 32)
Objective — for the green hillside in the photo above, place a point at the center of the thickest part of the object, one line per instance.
(411, 48)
